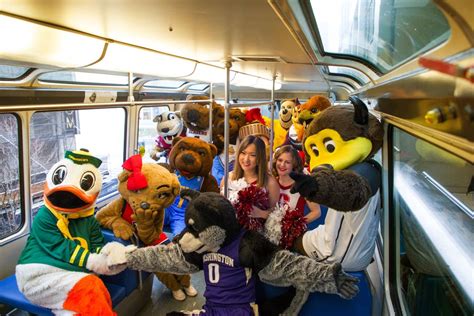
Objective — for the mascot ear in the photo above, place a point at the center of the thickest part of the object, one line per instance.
(156, 118)
(175, 140)
(361, 114)
(189, 194)
(123, 176)
(213, 149)
(297, 101)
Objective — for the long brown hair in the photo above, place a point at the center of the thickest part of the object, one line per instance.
(262, 172)
(296, 159)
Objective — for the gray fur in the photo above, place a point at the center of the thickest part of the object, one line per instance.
(213, 237)
(306, 274)
(160, 258)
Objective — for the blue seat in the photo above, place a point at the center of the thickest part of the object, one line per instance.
(330, 304)
(11, 295)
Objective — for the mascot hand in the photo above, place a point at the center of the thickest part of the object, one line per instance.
(122, 229)
(116, 254)
(145, 217)
(346, 284)
(97, 263)
(305, 185)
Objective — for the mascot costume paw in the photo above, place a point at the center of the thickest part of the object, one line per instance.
(231, 257)
(145, 191)
(168, 125)
(339, 144)
(54, 269)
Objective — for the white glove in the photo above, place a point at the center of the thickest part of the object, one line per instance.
(116, 254)
(97, 262)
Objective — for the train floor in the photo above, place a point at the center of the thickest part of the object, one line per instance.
(162, 301)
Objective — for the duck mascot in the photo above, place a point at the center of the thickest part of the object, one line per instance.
(63, 249)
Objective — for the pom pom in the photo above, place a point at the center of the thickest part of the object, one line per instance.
(243, 202)
(284, 225)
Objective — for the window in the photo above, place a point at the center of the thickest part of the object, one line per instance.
(10, 197)
(147, 130)
(436, 225)
(199, 87)
(12, 72)
(359, 77)
(383, 33)
(167, 84)
(52, 133)
(83, 78)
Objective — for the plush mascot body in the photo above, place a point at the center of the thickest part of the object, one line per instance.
(213, 241)
(168, 125)
(236, 121)
(339, 144)
(146, 190)
(54, 268)
(191, 159)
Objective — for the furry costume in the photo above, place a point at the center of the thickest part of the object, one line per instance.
(196, 118)
(312, 108)
(230, 256)
(339, 144)
(169, 125)
(145, 191)
(191, 159)
(54, 268)
(236, 121)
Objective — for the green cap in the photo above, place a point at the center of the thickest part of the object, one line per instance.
(82, 156)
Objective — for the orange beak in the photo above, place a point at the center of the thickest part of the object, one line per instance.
(68, 199)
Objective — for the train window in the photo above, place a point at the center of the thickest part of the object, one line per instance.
(10, 197)
(199, 87)
(147, 133)
(83, 77)
(101, 131)
(389, 33)
(435, 208)
(168, 84)
(12, 72)
(359, 77)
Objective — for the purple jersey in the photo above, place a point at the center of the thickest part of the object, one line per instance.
(227, 282)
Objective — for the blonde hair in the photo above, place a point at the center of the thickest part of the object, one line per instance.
(261, 160)
(296, 159)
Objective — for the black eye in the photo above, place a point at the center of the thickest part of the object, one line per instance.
(59, 175)
(314, 110)
(202, 153)
(163, 196)
(330, 145)
(87, 181)
(315, 150)
(171, 116)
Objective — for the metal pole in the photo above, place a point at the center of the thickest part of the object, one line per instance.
(272, 118)
(211, 98)
(228, 65)
(130, 97)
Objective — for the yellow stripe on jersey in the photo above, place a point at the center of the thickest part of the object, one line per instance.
(83, 256)
(74, 254)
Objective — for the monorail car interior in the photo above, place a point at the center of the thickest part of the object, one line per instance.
(97, 74)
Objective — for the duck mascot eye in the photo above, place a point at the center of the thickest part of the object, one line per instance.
(54, 269)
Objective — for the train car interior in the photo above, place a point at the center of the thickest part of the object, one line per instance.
(95, 73)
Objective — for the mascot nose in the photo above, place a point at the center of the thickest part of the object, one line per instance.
(188, 159)
(144, 205)
(284, 111)
(193, 115)
(165, 130)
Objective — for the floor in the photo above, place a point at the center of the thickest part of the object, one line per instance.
(162, 302)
